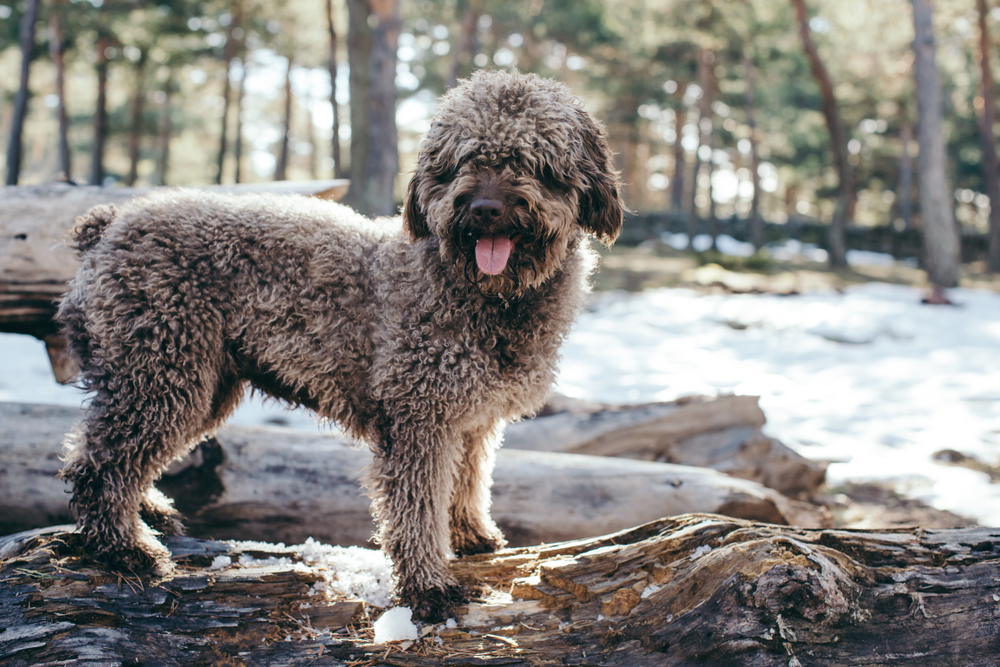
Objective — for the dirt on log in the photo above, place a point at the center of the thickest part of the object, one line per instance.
(694, 589)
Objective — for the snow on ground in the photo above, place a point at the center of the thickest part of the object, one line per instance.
(869, 378)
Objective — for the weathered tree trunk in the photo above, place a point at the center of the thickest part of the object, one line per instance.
(987, 118)
(35, 265)
(372, 38)
(135, 130)
(281, 170)
(939, 232)
(693, 589)
(228, 55)
(713, 216)
(722, 433)
(680, 160)
(57, 48)
(101, 110)
(836, 243)
(906, 174)
(164, 132)
(286, 485)
(756, 222)
(238, 139)
(338, 165)
(27, 42)
(466, 42)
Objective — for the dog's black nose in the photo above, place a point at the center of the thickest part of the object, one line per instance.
(487, 210)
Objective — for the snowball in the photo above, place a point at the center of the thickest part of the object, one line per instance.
(395, 625)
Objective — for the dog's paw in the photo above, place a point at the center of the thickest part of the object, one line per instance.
(147, 557)
(479, 545)
(433, 605)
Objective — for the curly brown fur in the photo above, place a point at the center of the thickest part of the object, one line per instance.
(423, 343)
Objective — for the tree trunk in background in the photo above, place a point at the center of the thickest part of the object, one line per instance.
(680, 161)
(372, 37)
(987, 117)
(281, 171)
(693, 220)
(27, 39)
(228, 55)
(238, 147)
(338, 166)
(906, 174)
(135, 131)
(713, 218)
(756, 222)
(101, 112)
(939, 231)
(163, 133)
(57, 47)
(836, 245)
(465, 44)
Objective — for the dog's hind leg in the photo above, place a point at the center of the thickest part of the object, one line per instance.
(110, 463)
(410, 481)
(472, 529)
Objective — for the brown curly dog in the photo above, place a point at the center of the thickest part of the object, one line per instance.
(421, 339)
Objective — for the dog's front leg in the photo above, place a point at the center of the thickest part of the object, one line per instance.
(411, 481)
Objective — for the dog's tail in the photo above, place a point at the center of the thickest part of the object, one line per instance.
(90, 227)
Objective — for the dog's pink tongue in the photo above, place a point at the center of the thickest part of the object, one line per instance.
(492, 253)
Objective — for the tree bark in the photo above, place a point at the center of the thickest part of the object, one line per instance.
(57, 47)
(338, 166)
(466, 42)
(281, 170)
(372, 39)
(101, 111)
(135, 130)
(939, 231)
(692, 589)
(238, 139)
(906, 175)
(164, 132)
(228, 55)
(680, 161)
(756, 222)
(27, 42)
(836, 243)
(987, 119)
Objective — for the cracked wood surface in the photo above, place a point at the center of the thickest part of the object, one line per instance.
(694, 589)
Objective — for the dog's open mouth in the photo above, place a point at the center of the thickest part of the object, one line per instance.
(492, 253)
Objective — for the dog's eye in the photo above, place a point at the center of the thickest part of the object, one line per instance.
(547, 176)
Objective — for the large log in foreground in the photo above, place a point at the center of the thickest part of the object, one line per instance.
(284, 485)
(35, 264)
(694, 589)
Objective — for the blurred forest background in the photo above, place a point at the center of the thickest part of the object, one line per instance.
(731, 112)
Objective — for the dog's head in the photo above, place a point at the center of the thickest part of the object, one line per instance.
(512, 171)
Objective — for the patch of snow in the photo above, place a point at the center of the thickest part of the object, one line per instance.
(647, 591)
(699, 552)
(727, 245)
(220, 563)
(350, 571)
(395, 625)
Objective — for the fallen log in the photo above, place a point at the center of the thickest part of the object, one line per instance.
(283, 485)
(693, 589)
(722, 433)
(35, 264)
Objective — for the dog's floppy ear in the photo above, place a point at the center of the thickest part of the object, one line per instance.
(414, 220)
(601, 209)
